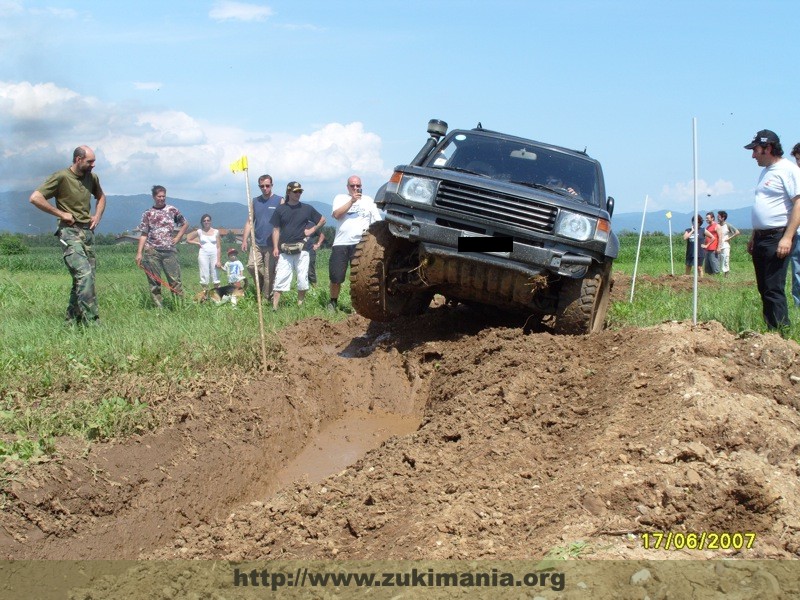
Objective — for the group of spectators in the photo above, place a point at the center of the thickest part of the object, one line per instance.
(713, 244)
(286, 232)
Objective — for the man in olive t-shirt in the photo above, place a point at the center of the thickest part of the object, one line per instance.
(72, 189)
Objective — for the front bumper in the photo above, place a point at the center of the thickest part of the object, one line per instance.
(527, 259)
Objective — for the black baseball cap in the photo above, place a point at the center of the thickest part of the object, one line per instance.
(294, 186)
(762, 138)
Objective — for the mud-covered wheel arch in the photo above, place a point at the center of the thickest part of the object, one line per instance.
(583, 303)
(378, 255)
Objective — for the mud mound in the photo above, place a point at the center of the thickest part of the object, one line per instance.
(526, 443)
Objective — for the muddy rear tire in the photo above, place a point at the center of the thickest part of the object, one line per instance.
(583, 303)
(377, 254)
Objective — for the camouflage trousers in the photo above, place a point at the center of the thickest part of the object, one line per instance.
(80, 260)
(155, 261)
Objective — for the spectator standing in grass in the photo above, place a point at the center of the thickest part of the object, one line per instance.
(210, 255)
(261, 256)
(775, 218)
(354, 213)
(290, 230)
(73, 189)
(795, 255)
(314, 243)
(711, 245)
(158, 250)
(726, 233)
(689, 235)
(234, 269)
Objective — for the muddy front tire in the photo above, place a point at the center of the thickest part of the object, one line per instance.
(378, 256)
(583, 303)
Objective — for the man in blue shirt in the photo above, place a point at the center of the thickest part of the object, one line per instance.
(261, 257)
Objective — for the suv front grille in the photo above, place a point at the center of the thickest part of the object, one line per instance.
(496, 206)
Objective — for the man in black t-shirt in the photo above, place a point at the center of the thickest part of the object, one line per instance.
(289, 234)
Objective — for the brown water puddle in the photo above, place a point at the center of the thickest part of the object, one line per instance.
(340, 444)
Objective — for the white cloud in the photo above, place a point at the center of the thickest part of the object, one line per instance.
(40, 125)
(681, 194)
(26, 101)
(239, 11)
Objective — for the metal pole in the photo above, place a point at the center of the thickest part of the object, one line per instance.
(638, 248)
(671, 260)
(697, 225)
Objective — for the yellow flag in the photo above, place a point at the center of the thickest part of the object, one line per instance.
(239, 165)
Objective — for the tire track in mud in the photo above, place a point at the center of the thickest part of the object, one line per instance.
(526, 442)
(324, 403)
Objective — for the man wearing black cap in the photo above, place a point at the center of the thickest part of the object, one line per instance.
(289, 234)
(775, 217)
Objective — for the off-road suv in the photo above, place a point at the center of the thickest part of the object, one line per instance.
(486, 218)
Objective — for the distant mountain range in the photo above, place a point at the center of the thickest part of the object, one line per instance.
(123, 213)
(657, 221)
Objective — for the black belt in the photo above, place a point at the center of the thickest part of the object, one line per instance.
(759, 233)
(78, 225)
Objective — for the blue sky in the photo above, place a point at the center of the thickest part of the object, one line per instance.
(171, 92)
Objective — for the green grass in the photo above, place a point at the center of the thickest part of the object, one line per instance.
(732, 300)
(100, 383)
(107, 382)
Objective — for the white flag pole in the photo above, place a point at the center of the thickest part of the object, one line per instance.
(638, 249)
(671, 260)
(696, 225)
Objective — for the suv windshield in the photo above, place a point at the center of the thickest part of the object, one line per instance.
(522, 163)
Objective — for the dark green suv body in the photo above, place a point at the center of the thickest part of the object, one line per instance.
(483, 217)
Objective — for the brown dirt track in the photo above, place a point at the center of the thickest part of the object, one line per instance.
(507, 444)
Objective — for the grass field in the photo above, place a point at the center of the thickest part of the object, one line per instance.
(99, 383)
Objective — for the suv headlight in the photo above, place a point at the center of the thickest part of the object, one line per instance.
(574, 226)
(418, 190)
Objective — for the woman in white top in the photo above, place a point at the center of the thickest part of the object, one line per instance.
(210, 251)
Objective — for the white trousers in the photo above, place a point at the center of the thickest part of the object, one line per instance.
(208, 269)
(283, 271)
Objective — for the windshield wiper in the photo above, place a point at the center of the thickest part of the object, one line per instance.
(539, 186)
(461, 170)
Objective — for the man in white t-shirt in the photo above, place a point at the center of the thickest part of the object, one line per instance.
(354, 213)
(776, 217)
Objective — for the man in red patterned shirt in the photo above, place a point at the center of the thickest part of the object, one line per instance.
(157, 250)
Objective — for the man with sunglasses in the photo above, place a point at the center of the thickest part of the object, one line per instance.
(261, 256)
(354, 213)
(776, 216)
(292, 224)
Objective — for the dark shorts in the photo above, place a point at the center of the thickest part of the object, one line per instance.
(340, 258)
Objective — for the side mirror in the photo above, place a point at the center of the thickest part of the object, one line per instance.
(610, 206)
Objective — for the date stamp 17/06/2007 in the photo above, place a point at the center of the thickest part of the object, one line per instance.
(706, 540)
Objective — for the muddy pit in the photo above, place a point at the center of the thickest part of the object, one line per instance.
(443, 437)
